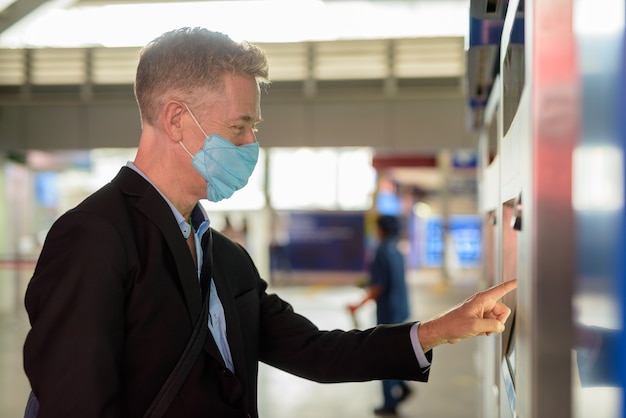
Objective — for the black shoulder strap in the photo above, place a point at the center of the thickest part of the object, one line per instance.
(177, 376)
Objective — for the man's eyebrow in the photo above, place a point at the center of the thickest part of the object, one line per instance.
(248, 118)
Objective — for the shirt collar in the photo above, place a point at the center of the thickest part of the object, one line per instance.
(199, 218)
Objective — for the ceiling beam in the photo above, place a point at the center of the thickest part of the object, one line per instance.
(19, 9)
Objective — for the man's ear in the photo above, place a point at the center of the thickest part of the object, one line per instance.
(172, 117)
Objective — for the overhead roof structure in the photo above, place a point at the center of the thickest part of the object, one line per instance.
(380, 64)
(333, 61)
(74, 23)
(384, 85)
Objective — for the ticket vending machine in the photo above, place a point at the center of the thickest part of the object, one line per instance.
(551, 187)
(551, 192)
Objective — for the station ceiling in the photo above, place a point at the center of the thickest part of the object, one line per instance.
(434, 64)
(373, 18)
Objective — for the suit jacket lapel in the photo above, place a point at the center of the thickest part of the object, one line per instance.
(149, 202)
(154, 207)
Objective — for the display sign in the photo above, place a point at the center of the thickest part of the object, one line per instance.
(325, 241)
(464, 240)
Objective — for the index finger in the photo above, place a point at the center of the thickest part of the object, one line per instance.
(498, 291)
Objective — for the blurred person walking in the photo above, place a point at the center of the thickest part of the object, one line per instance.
(387, 287)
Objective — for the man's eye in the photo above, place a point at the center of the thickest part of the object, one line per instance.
(241, 129)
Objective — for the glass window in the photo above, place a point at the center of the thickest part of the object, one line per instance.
(321, 178)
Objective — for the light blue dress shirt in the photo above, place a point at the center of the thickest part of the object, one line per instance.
(200, 224)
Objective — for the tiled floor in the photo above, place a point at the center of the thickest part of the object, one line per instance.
(452, 392)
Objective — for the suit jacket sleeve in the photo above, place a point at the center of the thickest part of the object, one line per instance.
(75, 302)
(292, 343)
(297, 346)
(270, 331)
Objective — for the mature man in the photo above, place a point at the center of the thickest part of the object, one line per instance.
(122, 278)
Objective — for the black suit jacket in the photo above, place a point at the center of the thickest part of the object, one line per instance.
(114, 298)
